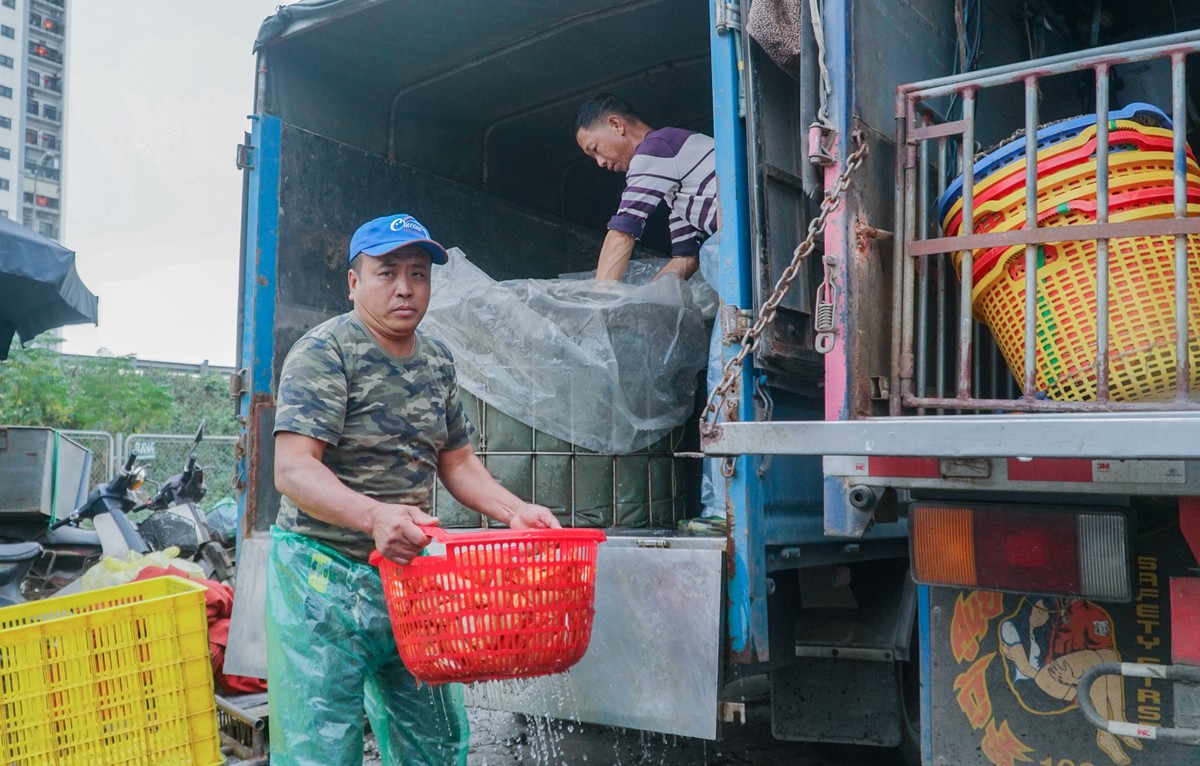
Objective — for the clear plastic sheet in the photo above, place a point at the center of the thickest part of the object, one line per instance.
(608, 366)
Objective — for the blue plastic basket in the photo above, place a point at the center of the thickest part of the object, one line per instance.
(1046, 136)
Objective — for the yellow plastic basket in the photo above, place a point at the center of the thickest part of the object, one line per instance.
(1141, 356)
(112, 677)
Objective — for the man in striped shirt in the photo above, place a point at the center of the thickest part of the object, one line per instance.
(668, 165)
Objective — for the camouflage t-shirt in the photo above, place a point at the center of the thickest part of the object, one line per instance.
(385, 419)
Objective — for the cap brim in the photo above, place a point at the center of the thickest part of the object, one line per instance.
(436, 251)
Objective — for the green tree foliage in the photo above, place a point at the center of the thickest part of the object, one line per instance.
(107, 394)
(198, 397)
(34, 388)
(38, 387)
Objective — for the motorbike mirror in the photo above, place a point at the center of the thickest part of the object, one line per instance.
(196, 440)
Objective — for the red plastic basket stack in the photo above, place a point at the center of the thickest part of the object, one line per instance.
(498, 604)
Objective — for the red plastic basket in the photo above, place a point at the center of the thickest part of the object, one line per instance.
(498, 604)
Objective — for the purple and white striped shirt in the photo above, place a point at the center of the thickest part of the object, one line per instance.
(675, 166)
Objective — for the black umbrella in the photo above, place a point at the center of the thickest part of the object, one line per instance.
(39, 287)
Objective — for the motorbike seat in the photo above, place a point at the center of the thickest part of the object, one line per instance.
(69, 535)
(11, 553)
(16, 559)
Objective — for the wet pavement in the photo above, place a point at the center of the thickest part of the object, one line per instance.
(504, 739)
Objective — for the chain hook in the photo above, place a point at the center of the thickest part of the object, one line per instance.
(727, 467)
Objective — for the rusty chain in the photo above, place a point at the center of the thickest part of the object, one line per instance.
(766, 313)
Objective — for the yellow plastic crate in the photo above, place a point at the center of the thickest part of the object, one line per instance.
(112, 677)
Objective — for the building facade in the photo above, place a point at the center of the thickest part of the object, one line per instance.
(33, 48)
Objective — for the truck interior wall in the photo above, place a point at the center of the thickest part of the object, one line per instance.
(488, 99)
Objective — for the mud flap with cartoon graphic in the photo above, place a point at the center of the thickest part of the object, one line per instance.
(1004, 671)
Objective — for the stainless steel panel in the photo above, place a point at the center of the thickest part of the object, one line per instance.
(655, 652)
(246, 653)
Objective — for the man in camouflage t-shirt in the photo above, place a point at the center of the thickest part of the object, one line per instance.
(367, 413)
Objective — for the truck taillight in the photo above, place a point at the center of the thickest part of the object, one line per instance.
(1050, 550)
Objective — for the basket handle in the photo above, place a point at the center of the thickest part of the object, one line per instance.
(375, 558)
(435, 531)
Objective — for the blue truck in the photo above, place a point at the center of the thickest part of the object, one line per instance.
(937, 540)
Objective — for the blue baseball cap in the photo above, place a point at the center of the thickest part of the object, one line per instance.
(383, 235)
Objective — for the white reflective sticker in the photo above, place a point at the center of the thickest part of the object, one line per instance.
(1139, 471)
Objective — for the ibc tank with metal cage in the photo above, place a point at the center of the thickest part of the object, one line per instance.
(647, 488)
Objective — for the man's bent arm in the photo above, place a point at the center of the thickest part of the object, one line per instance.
(614, 255)
(467, 478)
(301, 476)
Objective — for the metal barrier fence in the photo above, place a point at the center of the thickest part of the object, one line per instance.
(163, 455)
(104, 453)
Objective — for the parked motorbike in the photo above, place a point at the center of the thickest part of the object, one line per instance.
(63, 551)
(178, 518)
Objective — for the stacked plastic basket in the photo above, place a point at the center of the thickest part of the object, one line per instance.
(1142, 332)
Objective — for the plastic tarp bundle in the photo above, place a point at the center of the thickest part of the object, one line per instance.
(608, 366)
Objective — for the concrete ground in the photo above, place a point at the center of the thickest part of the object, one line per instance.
(504, 739)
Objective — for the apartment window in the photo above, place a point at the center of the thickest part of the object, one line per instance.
(50, 142)
(7, 31)
(48, 230)
(51, 112)
(6, 122)
(10, 3)
(34, 77)
(5, 91)
(4, 213)
(7, 61)
(4, 184)
(5, 153)
(31, 106)
(31, 137)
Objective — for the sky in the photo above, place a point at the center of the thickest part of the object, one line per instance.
(157, 98)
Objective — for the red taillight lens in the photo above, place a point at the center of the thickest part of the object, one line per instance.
(1051, 550)
(1024, 551)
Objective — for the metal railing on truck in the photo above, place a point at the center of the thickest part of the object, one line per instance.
(934, 371)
